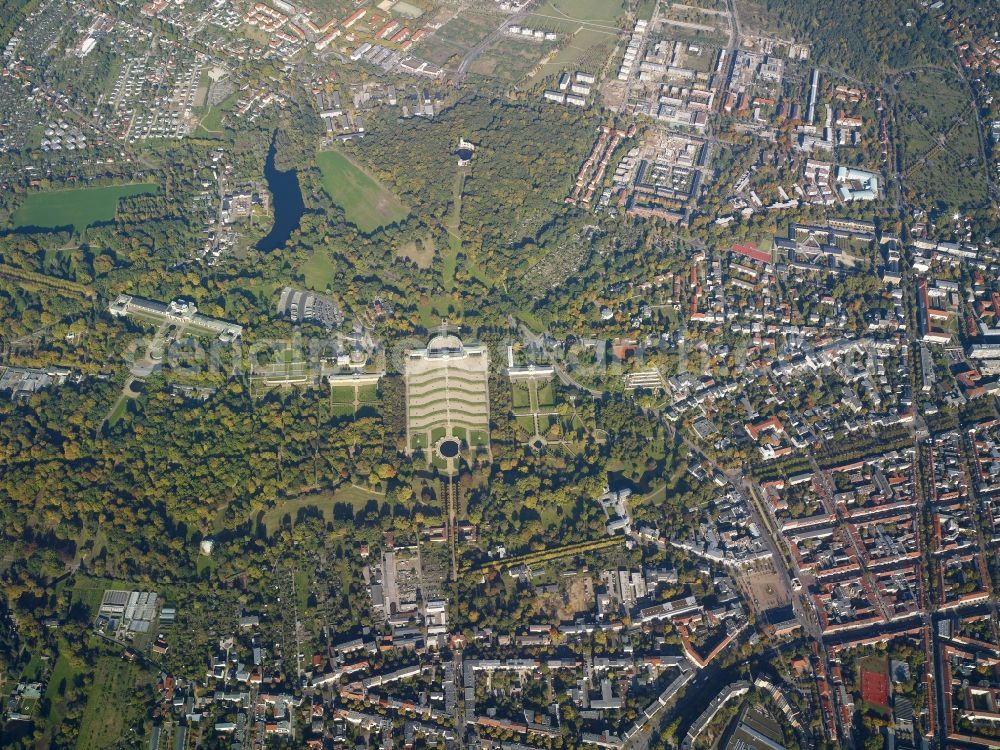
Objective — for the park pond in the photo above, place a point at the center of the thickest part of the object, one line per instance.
(286, 201)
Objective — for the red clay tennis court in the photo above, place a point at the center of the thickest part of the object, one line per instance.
(875, 687)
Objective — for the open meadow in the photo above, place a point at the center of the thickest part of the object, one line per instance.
(366, 203)
(588, 31)
(77, 207)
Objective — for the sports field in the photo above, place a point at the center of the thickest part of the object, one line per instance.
(366, 203)
(875, 681)
(407, 10)
(79, 207)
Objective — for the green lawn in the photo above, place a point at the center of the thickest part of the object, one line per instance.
(302, 588)
(521, 395)
(657, 497)
(65, 669)
(79, 207)
(357, 497)
(426, 310)
(465, 31)
(510, 59)
(570, 424)
(211, 121)
(875, 664)
(449, 256)
(320, 271)
(545, 423)
(33, 671)
(342, 394)
(527, 424)
(366, 203)
(450, 261)
(342, 410)
(119, 411)
(89, 594)
(546, 394)
(203, 563)
(408, 10)
(422, 255)
(63, 673)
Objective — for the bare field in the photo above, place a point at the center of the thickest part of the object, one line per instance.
(577, 598)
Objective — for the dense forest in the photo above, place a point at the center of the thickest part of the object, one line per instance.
(863, 39)
(520, 174)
